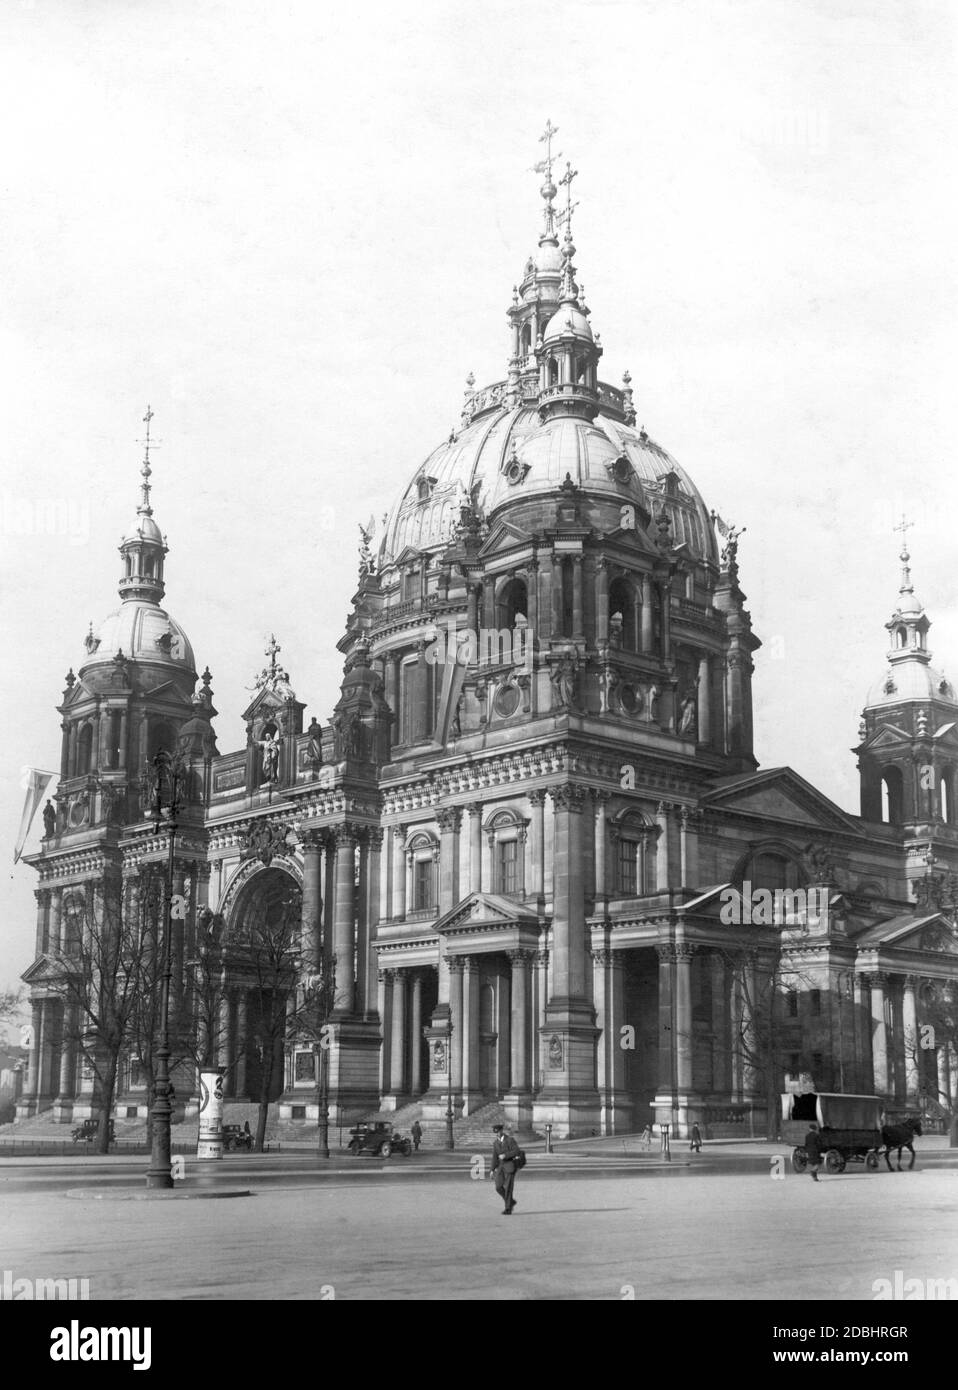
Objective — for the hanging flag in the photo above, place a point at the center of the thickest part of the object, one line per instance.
(720, 525)
(37, 783)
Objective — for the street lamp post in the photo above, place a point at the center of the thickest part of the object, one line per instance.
(450, 1115)
(325, 988)
(170, 773)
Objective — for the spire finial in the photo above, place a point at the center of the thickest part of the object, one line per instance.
(144, 509)
(903, 526)
(569, 290)
(548, 189)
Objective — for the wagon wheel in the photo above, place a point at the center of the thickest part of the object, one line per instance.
(386, 1149)
(834, 1162)
(871, 1160)
(799, 1160)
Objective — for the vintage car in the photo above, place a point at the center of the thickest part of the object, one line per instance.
(378, 1137)
(86, 1132)
(236, 1137)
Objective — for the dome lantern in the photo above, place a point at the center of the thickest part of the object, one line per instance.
(143, 548)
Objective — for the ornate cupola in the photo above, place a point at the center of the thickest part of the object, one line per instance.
(535, 298)
(144, 547)
(908, 749)
(568, 354)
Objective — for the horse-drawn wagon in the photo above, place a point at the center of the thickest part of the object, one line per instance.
(849, 1126)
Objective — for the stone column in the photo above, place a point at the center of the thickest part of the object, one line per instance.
(312, 901)
(177, 927)
(532, 595)
(879, 984)
(616, 1108)
(748, 1035)
(56, 920)
(470, 1029)
(36, 1014)
(397, 1070)
(577, 623)
(646, 630)
(683, 1018)
(601, 893)
(662, 877)
(704, 711)
(385, 980)
(547, 583)
(372, 872)
(568, 922)
(943, 1075)
(519, 1053)
(455, 968)
(124, 726)
(536, 845)
(541, 988)
(666, 1098)
(385, 881)
(720, 1024)
(344, 913)
(415, 1023)
(862, 1016)
(67, 1086)
(475, 848)
(399, 872)
(392, 694)
(558, 628)
(910, 1038)
(449, 818)
(601, 600)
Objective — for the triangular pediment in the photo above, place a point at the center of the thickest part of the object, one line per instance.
(886, 736)
(779, 794)
(407, 556)
(912, 931)
(46, 969)
(485, 911)
(503, 536)
(167, 690)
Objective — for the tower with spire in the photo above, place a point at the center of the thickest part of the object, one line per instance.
(908, 749)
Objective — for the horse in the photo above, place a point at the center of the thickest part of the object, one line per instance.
(900, 1137)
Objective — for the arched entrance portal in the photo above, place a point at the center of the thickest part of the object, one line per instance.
(263, 941)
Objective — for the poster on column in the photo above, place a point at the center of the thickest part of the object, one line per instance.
(211, 1115)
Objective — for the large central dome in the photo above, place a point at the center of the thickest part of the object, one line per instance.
(509, 455)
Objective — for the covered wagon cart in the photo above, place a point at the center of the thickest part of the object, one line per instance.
(850, 1128)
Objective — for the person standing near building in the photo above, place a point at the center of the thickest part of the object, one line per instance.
(695, 1140)
(505, 1153)
(416, 1132)
(813, 1150)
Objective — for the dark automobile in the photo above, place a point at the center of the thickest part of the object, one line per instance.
(378, 1138)
(86, 1132)
(237, 1137)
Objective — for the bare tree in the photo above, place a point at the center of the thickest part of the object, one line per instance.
(98, 984)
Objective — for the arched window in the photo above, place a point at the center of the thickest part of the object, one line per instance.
(946, 801)
(901, 637)
(507, 834)
(424, 859)
(622, 601)
(161, 739)
(553, 372)
(513, 600)
(526, 340)
(148, 566)
(85, 751)
(891, 796)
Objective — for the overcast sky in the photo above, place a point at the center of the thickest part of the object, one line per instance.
(294, 231)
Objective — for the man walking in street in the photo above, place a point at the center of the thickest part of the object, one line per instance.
(505, 1152)
(813, 1150)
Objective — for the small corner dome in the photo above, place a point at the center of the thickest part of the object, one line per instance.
(567, 319)
(910, 680)
(144, 528)
(144, 632)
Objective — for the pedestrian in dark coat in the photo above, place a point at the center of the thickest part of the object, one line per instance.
(695, 1144)
(505, 1151)
(813, 1150)
(416, 1132)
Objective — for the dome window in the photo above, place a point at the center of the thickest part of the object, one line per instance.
(621, 470)
(425, 487)
(901, 637)
(891, 796)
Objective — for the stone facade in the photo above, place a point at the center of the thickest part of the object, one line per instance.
(531, 852)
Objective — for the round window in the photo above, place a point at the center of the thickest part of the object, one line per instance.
(507, 701)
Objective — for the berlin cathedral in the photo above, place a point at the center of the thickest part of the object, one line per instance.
(512, 848)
